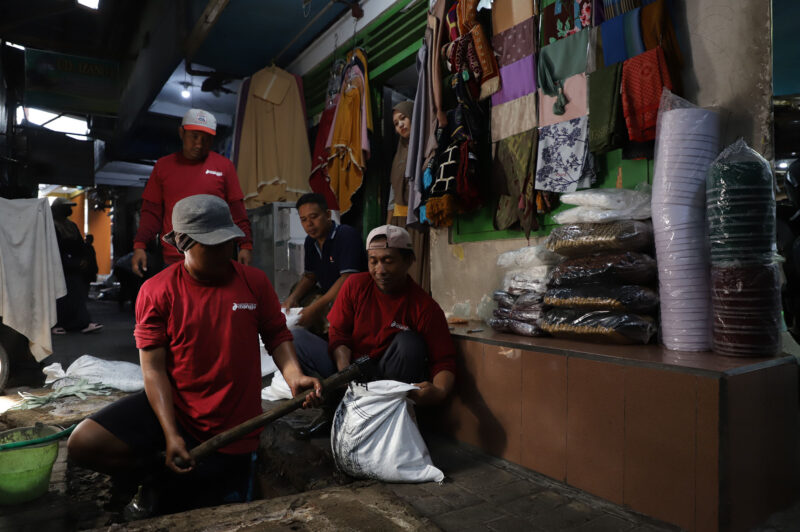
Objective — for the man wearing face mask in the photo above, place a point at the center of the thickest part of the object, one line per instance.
(71, 309)
(398, 196)
(194, 170)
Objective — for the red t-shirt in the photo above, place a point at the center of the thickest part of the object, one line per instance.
(211, 335)
(365, 319)
(174, 177)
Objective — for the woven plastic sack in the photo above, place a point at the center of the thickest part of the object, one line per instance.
(375, 435)
(125, 376)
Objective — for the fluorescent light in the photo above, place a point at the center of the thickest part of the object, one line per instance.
(14, 45)
(185, 94)
(91, 4)
(783, 164)
(62, 124)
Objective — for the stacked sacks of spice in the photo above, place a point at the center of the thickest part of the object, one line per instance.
(519, 303)
(602, 292)
(745, 279)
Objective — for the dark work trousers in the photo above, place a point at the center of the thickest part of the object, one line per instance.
(405, 360)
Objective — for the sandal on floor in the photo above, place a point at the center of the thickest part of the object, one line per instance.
(91, 328)
(58, 330)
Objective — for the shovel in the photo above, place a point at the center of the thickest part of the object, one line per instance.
(360, 368)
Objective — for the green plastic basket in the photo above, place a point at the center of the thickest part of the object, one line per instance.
(25, 470)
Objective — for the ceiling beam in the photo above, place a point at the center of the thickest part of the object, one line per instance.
(203, 27)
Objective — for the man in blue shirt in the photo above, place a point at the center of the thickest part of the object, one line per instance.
(332, 253)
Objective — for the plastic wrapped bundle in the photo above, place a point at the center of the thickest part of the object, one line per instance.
(528, 257)
(503, 298)
(528, 315)
(576, 240)
(746, 301)
(630, 267)
(627, 298)
(604, 326)
(501, 313)
(530, 300)
(687, 141)
(740, 207)
(500, 324)
(534, 279)
(604, 205)
(516, 327)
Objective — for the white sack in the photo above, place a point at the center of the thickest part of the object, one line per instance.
(124, 376)
(528, 257)
(375, 435)
(607, 198)
(278, 388)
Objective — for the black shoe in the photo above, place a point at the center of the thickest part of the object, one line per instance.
(144, 504)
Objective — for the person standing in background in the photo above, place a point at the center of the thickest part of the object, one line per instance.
(71, 309)
(194, 170)
(398, 197)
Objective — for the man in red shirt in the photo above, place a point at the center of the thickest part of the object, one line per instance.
(194, 170)
(197, 328)
(385, 315)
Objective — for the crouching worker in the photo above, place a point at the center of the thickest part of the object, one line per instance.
(197, 327)
(385, 315)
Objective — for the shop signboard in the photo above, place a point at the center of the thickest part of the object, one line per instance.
(71, 83)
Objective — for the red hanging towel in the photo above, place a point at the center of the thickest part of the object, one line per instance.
(643, 78)
(319, 180)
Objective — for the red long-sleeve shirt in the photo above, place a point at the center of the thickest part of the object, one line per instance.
(173, 178)
(365, 319)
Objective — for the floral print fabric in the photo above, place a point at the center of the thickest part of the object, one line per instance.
(562, 154)
(562, 18)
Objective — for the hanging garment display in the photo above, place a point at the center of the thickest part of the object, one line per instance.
(607, 129)
(508, 13)
(557, 62)
(347, 162)
(563, 151)
(468, 25)
(643, 79)
(320, 181)
(515, 166)
(273, 158)
(562, 18)
(575, 92)
(514, 117)
(519, 79)
(614, 8)
(442, 205)
(420, 118)
(515, 43)
(657, 30)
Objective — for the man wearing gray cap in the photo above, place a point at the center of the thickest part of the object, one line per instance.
(197, 328)
(194, 170)
(385, 315)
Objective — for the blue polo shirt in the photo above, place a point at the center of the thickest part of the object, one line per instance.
(342, 252)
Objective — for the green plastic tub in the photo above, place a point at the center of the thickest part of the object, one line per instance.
(25, 471)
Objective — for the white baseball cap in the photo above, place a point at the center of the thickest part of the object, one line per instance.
(396, 237)
(200, 120)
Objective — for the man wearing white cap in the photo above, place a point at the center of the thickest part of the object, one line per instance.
(194, 170)
(385, 315)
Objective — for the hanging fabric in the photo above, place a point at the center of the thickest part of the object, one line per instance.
(346, 162)
(643, 79)
(514, 117)
(418, 140)
(575, 91)
(508, 13)
(560, 60)
(468, 25)
(273, 157)
(562, 156)
(562, 18)
(515, 165)
(515, 43)
(320, 181)
(607, 129)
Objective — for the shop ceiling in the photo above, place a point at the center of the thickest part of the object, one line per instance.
(150, 40)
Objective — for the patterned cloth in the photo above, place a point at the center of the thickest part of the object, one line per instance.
(518, 80)
(614, 8)
(563, 149)
(442, 205)
(515, 43)
(514, 117)
(575, 93)
(515, 165)
(643, 79)
(468, 25)
(607, 124)
(562, 18)
(560, 60)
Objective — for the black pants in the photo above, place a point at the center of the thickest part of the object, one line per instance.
(405, 360)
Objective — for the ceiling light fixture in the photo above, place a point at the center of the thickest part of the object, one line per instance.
(91, 4)
(186, 92)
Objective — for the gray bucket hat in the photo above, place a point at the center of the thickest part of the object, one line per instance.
(205, 218)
